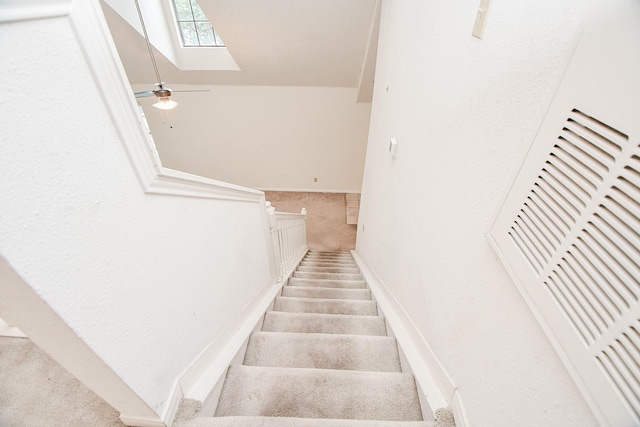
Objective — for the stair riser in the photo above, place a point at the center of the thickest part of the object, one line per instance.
(324, 323)
(327, 293)
(321, 351)
(329, 259)
(314, 251)
(340, 257)
(328, 264)
(324, 265)
(347, 284)
(311, 305)
(323, 269)
(322, 253)
(331, 276)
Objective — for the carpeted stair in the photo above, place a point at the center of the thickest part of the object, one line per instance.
(323, 358)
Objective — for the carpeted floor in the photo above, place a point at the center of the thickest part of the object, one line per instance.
(327, 228)
(35, 391)
(321, 359)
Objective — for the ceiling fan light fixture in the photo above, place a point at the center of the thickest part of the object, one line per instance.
(165, 103)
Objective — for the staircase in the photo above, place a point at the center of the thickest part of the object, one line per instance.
(321, 359)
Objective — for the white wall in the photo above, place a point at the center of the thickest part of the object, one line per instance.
(147, 281)
(464, 111)
(277, 138)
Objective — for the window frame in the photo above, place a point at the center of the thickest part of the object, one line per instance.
(217, 40)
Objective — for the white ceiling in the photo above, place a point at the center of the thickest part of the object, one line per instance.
(275, 43)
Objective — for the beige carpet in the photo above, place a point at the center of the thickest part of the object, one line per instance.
(321, 359)
(327, 228)
(35, 391)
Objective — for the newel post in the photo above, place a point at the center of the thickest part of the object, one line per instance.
(275, 239)
(271, 214)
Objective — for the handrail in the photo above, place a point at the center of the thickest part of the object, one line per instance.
(289, 238)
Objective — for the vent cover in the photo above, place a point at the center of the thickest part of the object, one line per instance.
(597, 278)
(573, 172)
(579, 232)
(569, 229)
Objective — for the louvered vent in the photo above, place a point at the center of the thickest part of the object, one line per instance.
(568, 232)
(579, 229)
(572, 174)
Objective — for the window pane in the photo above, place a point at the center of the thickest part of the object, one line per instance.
(189, 36)
(183, 10)
(219, 41)
(195, 28)
(205, 32)
(198, 14)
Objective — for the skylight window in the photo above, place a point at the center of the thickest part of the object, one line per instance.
(195, 28)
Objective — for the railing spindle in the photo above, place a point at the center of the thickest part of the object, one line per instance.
(289, 239)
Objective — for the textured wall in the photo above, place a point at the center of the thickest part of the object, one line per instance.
(464, 111)
(146, 281)
(327, 228)
(273, 138)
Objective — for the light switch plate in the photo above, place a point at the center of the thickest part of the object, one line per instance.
(481, 18)
(393, 146)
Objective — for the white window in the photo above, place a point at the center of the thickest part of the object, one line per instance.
(195, 28)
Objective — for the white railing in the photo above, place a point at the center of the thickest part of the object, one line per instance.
(289, 238)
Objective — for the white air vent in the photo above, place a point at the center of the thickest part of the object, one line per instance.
(573, 172)
(569, 230)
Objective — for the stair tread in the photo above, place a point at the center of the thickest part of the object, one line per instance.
(248, 421)
(327, 293)
(319, 393)
(280, 321)
(328, 256)
(329, 276)
(328, 269)
(328, 263)
(327, 253)
(326, 306)
(323, 351)
(328, 283)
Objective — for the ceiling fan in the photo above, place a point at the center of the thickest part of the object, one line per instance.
(163, 94)
(160, 91)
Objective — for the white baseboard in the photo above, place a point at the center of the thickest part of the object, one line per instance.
(434, 383)
(310, 190)
(7, 330)
(141, 421)
(459, 414)
(170, 410)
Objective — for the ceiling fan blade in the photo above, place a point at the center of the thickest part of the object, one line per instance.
(144, 94)
(192, 90)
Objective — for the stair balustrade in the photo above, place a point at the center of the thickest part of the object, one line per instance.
(289, 238)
